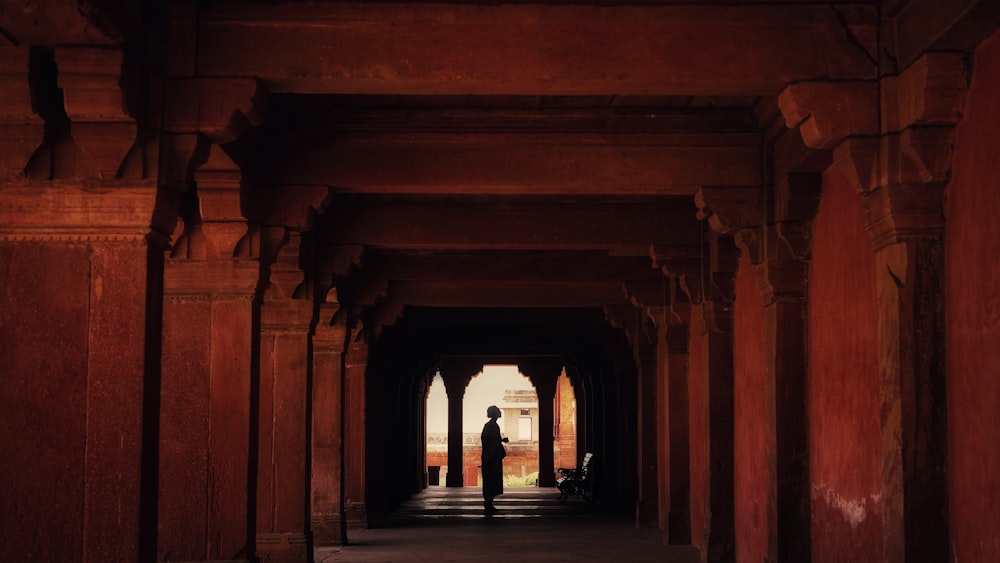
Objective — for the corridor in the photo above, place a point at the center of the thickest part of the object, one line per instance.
(448, 525)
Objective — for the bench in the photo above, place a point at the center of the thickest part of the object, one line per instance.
(576, 481)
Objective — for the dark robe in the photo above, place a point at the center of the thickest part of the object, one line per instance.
(492, 460)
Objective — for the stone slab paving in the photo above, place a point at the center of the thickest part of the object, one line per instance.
(449, 525)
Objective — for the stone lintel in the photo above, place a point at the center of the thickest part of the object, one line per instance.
(528, 48)
(826, 113)
(730, 208)
(514, 163)
(76, 210)
(211, 279)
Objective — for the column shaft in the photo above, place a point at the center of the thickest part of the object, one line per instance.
(329, 524)
(355, 366)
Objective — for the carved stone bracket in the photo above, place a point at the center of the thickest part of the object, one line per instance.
(729, 209)
(90, 79)
(828, 112)
(21, 129)
(683, 264)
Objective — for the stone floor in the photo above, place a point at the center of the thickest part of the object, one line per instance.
(448, 525)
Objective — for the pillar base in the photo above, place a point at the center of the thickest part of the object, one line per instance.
(357, 516)
(329, 530)
(283, 548)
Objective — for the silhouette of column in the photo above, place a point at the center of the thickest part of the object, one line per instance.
(544, 374)
(457, 372)
(329, 524)
(647, 501)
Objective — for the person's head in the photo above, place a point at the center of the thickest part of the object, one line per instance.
(493, 412)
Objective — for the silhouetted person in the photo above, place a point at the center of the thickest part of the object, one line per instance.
(492, 461)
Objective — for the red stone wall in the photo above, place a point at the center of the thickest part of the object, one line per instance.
(698, 403)
(754, 410)
(973, 318)
(844, 437)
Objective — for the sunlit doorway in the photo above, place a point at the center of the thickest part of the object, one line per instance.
(512, 392)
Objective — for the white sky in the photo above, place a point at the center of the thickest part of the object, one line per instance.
(484, 390)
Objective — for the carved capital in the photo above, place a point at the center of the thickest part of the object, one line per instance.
(457, 372)
(858, 160)
(729, 209)
(683, 264)
(899, 212)
(724, 257)
(543, 371)
(285, 272)
(828, 112)
(90, 80)
(21, 129)
(782, 280)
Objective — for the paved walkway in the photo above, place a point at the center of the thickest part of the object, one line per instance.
(448, 525)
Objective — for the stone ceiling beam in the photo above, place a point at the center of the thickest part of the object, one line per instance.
(538, 294)
(499, 266)
(522, 163)
(696, 49)
(625, 229)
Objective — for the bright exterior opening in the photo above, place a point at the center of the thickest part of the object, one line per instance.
(513, 393)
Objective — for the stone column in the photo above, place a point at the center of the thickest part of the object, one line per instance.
(679, 515)
(457, 372)
(355, 367)
(80, 305)
(329, 523)
(646, 507)
(902, 176)
(208, 327)
(79, 319)
(282, 490)
(544, 374)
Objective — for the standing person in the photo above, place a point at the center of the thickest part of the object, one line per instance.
(492, 461)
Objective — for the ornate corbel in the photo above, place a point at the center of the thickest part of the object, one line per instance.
(731, 208)
(21, 129)
(826, 113)
(684, 264)
(90, 80)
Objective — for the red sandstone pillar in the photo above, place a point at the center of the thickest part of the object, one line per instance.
(329, 524)
(679, 515)
(355, 366)
(646, 504)
(205, 417)
(282, 490)
(79, 311)
(544, 374)
(457, 373)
